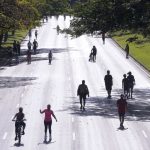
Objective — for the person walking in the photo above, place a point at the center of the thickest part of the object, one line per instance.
(125, 86)
(35, 45)
(48, 121)
(29, 45)
(94, 52)
(82, 92)
(122, 108)
(127, 50)
(18, 48)
(36, 34)
(131, 83)
(50, 55)
(15, 46)
(108, 83)
(103, 37)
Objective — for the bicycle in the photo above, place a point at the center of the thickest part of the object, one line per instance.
(19, 130)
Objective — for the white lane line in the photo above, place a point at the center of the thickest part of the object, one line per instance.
(72, 119)
(74, 136)
(17, 106)
(144, 133)
(25, 87)
(69, 78)
(5, 135)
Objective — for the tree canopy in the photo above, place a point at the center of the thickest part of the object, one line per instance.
(111, 15)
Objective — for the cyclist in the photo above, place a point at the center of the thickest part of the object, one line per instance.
(48, 120)
(82, 92)
(19, 118)
(131, 83)
(50, 55)
(125, 85)
(108, 83)
(35, 45)
(122, 107)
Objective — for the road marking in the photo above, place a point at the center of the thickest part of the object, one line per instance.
(22, 95)
(144, 133)
(74, 136)
(5, 135)
(17, 106)
(69, 78)
(72, 119)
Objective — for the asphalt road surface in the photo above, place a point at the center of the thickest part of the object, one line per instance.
(38, 84)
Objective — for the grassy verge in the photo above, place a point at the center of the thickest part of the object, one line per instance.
(19, 36)
(139, 48)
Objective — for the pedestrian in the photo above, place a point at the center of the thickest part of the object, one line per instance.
(29, 56)
(10, 55)
(127, 50)
(125, 86)
(94, 51)
(15, 46)
(18, 48)
(29, 45)
(58, 29)
(50, 55)
(36, 34)
(48, 121)
(82, 92)
(35, 45)
(103, 37)
(131, 83)
(108, 83)
(30, 34)
(122, 108)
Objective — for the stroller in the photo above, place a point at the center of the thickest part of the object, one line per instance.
(91, 57)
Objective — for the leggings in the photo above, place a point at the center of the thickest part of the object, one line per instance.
(48, 125)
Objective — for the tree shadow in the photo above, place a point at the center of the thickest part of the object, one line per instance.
(12, 82)
(138, 107)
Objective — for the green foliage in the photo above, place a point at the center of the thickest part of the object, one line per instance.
(111, 15)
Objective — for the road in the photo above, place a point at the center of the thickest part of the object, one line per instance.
(38, 84)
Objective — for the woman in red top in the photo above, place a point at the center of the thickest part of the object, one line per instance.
(48, 120)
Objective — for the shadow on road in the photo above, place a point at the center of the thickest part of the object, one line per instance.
(35, 57)
(139, 106)
(11, 82)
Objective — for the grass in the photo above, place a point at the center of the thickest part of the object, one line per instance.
(139, 48)
(19, 36)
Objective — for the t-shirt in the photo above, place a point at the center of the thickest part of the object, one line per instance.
(108, 80)
(19, 116)
(122, 104)
(83, 89)
(48, 114)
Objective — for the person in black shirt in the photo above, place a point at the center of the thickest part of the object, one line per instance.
(131, 83)
(82, 92)
(108, 83)
(20, 117)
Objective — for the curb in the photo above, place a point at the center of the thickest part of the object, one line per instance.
(146, 69)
